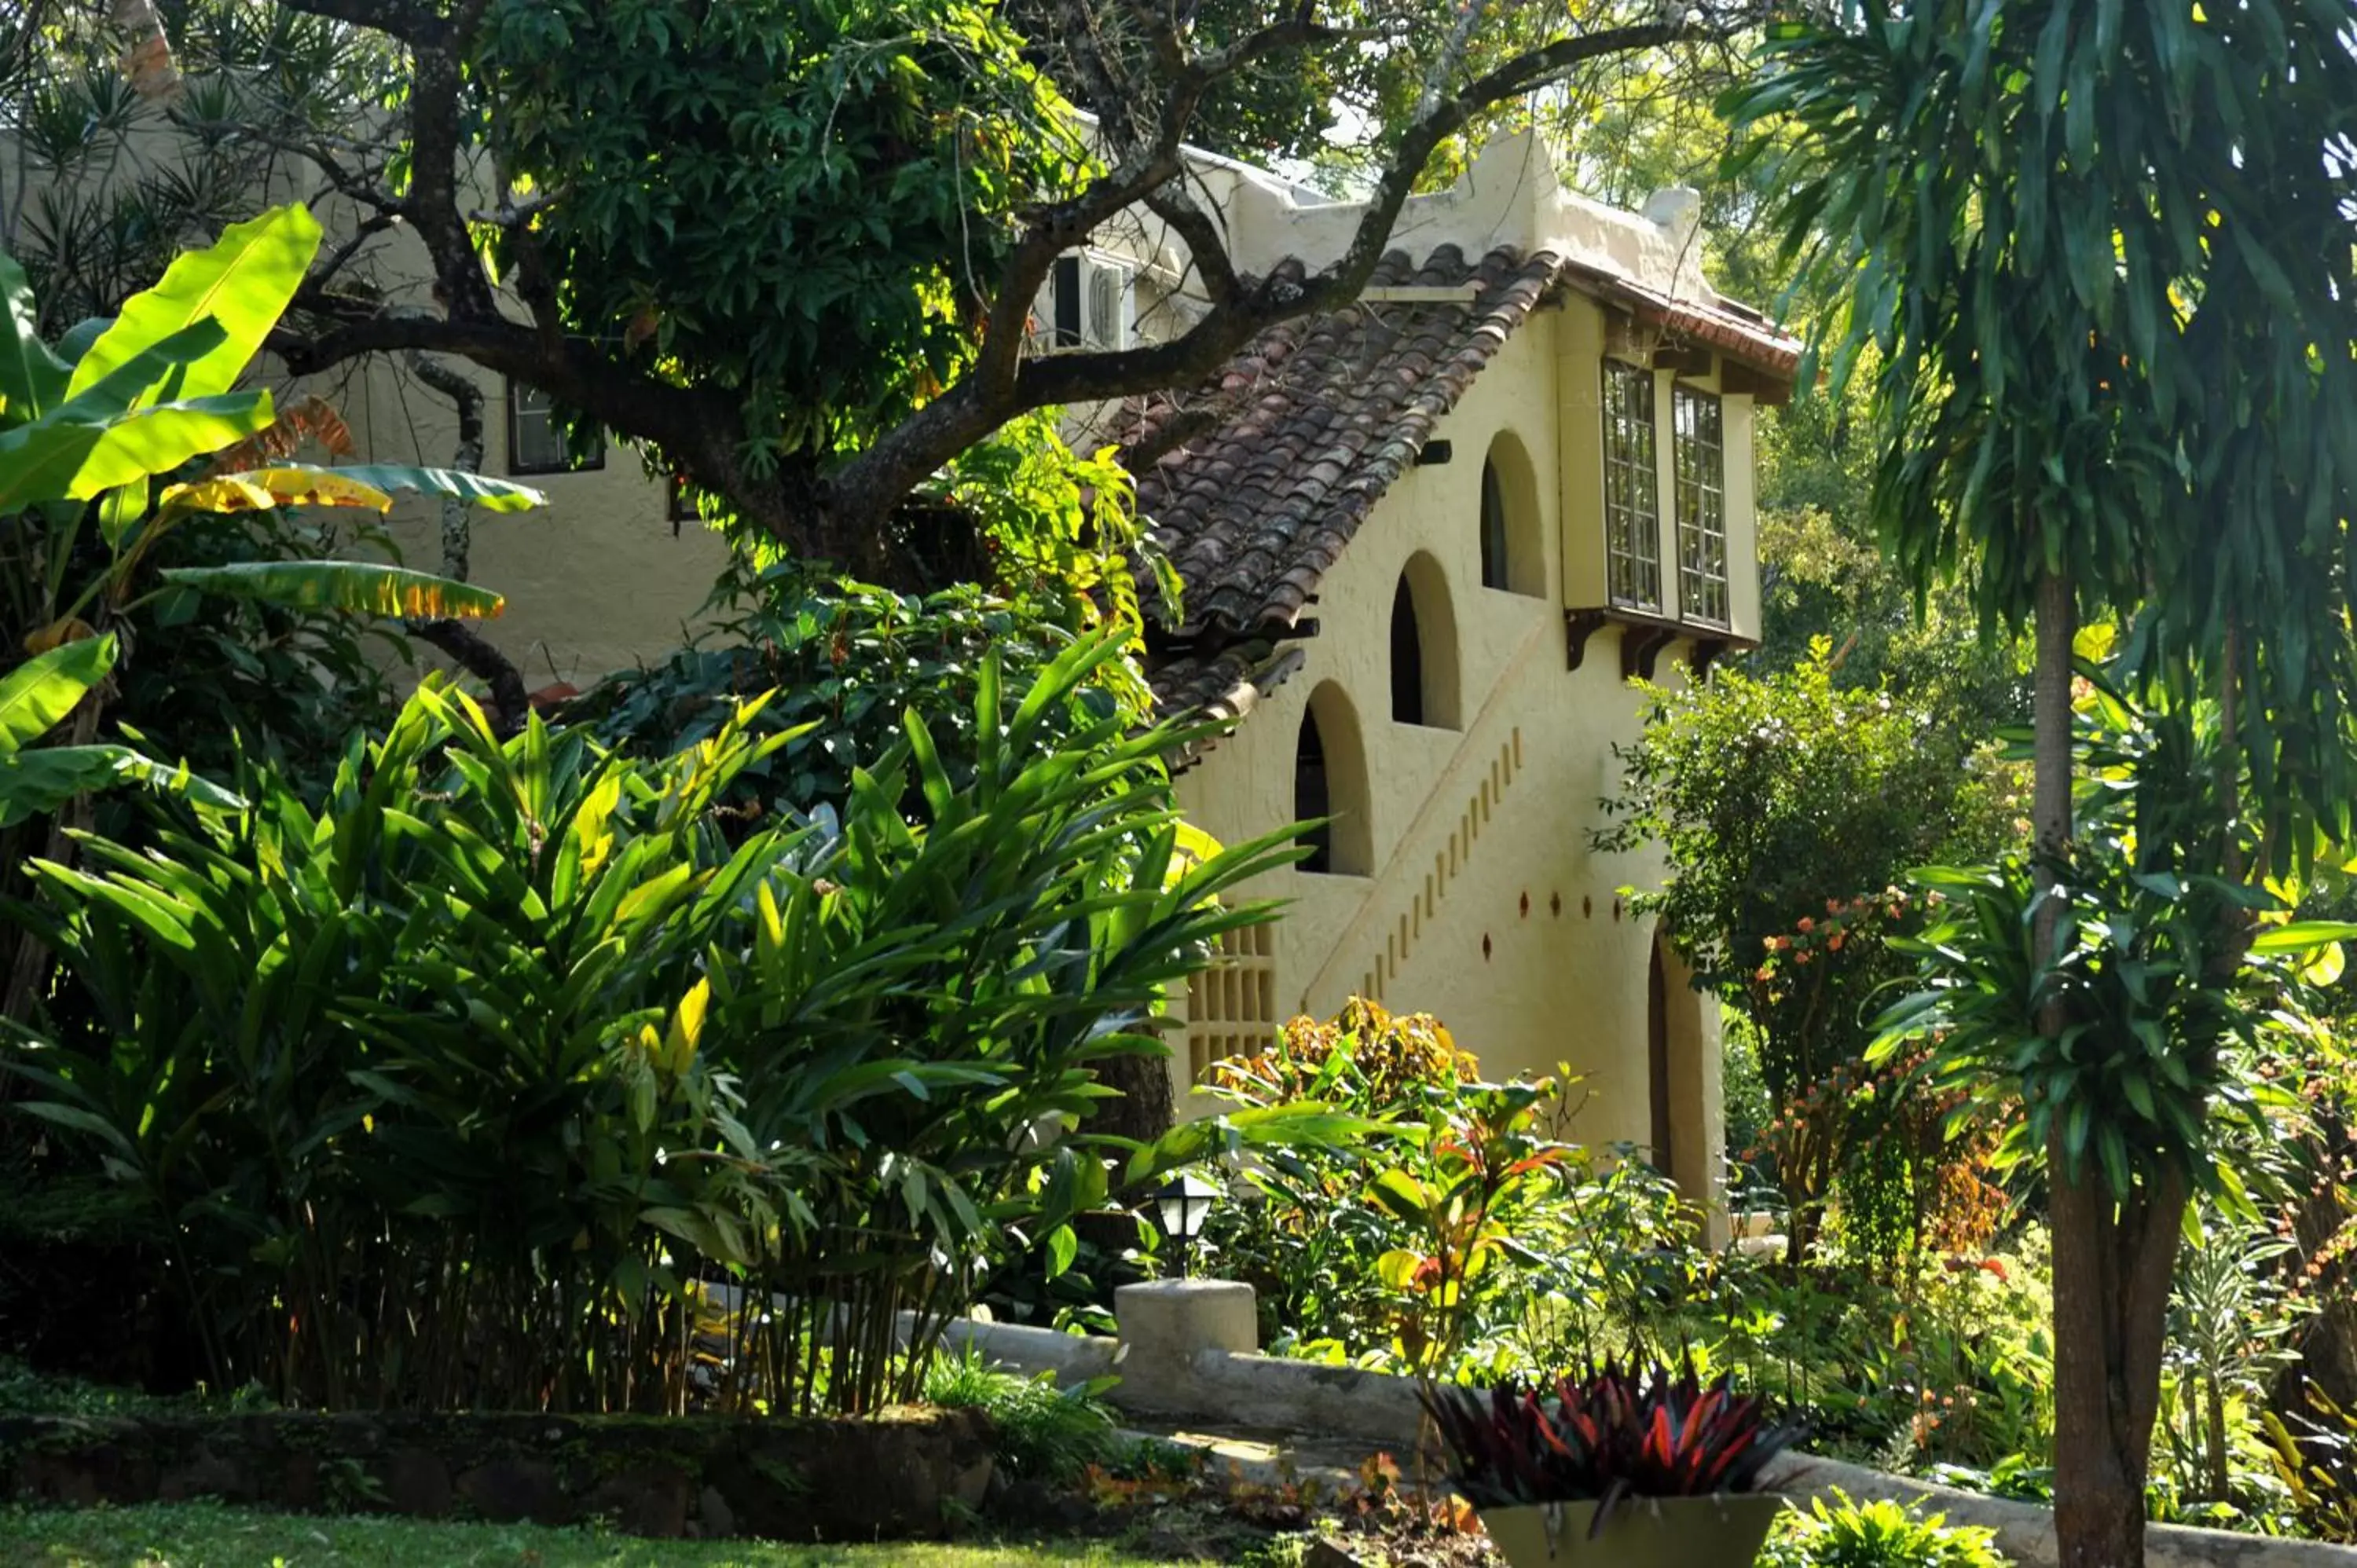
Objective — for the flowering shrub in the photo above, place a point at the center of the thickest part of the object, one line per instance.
(1482, 1239)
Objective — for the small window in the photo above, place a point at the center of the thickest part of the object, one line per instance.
(1407, 659)
(1495, 554)
(1310, 797)
(1632, 505)
(1702, 507)
(535, 445)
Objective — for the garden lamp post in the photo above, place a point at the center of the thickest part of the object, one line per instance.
(1182, 1203)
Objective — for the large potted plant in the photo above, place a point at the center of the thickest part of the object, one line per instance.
(1636, 1467)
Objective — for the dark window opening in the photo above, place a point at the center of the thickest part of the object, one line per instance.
(536, 445)
(1310, 796)
(1495, 566)
(1407, 659)
(1657, 1064)
(1067, 329)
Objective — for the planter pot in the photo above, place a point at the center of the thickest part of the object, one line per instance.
(1647, 1532)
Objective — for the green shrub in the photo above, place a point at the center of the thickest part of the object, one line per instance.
(1478, 1243)
(1045, 1433)
(844, 662)
(461, 1088)
(1883, 1535)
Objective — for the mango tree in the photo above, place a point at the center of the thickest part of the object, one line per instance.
(2099, 253)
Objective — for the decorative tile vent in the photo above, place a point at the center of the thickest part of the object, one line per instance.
(1232, 1005)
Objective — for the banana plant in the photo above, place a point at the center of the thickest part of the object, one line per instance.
(109, 428)
(126, 430)
(34, 698)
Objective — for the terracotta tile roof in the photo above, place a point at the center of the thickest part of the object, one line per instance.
(1741, 334)
(1310, 425)
(1222, 687)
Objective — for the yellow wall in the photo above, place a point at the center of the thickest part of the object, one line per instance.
(595, 581)
(1485, 904)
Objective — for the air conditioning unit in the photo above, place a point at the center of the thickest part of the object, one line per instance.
(1090, 302)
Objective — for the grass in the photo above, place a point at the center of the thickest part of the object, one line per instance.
(208, 1535)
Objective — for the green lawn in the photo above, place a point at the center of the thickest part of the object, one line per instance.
(203, 1535)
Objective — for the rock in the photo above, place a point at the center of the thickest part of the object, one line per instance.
(900, 1473)
(649, 1500)
(418, 1482)
(509, 1489)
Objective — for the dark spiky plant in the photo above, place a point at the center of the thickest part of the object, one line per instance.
(1609, 1435)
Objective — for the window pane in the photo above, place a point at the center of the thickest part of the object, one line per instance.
(1632, 507)
(534, 444)
(1701, 452)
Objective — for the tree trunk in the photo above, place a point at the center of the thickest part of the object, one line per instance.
(2113, 1257)
(2113, 1264)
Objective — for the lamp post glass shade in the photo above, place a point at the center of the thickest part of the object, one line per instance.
(1182, 1203)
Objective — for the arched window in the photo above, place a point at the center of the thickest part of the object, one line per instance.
(1311, 798)
(1423, 646)
(1514, 558)
(1329, 780)
(1407, 659)
(1495, 549)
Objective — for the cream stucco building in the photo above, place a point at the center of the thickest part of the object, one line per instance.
(1428, 542)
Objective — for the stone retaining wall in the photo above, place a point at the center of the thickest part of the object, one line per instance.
(1181, 1354)
(903, 1474)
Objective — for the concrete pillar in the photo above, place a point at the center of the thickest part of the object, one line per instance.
(1165, 1324)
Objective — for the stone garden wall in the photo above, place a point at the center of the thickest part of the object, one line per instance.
(904, 1473)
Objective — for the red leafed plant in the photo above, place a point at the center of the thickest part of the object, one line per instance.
(1606, 1434)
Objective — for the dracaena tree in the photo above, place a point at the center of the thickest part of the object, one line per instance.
(2101, 255)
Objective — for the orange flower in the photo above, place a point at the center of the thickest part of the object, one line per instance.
(1807, 924)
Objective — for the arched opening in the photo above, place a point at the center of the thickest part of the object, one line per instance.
(1682, 1082)
(1407, 660)
(1494, 549)
(1313, 801)
(1664, 1140)
(1329, 780)
(1424, 647)
(1512, 558)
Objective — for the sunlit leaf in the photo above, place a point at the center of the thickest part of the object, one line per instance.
(354, 585)
(244, 281)
(43, 689)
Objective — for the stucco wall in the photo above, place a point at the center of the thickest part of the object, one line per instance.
(1484, 904)
(595, 581)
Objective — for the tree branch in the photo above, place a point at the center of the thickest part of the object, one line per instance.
(865, 489)
(414, 24)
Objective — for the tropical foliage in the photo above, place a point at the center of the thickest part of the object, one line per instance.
(1605, 1432)
(478, 1083)
(2096, 266)
(1840, 1533)
(1787, 809)
(847, 662)
(1475, 1242)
